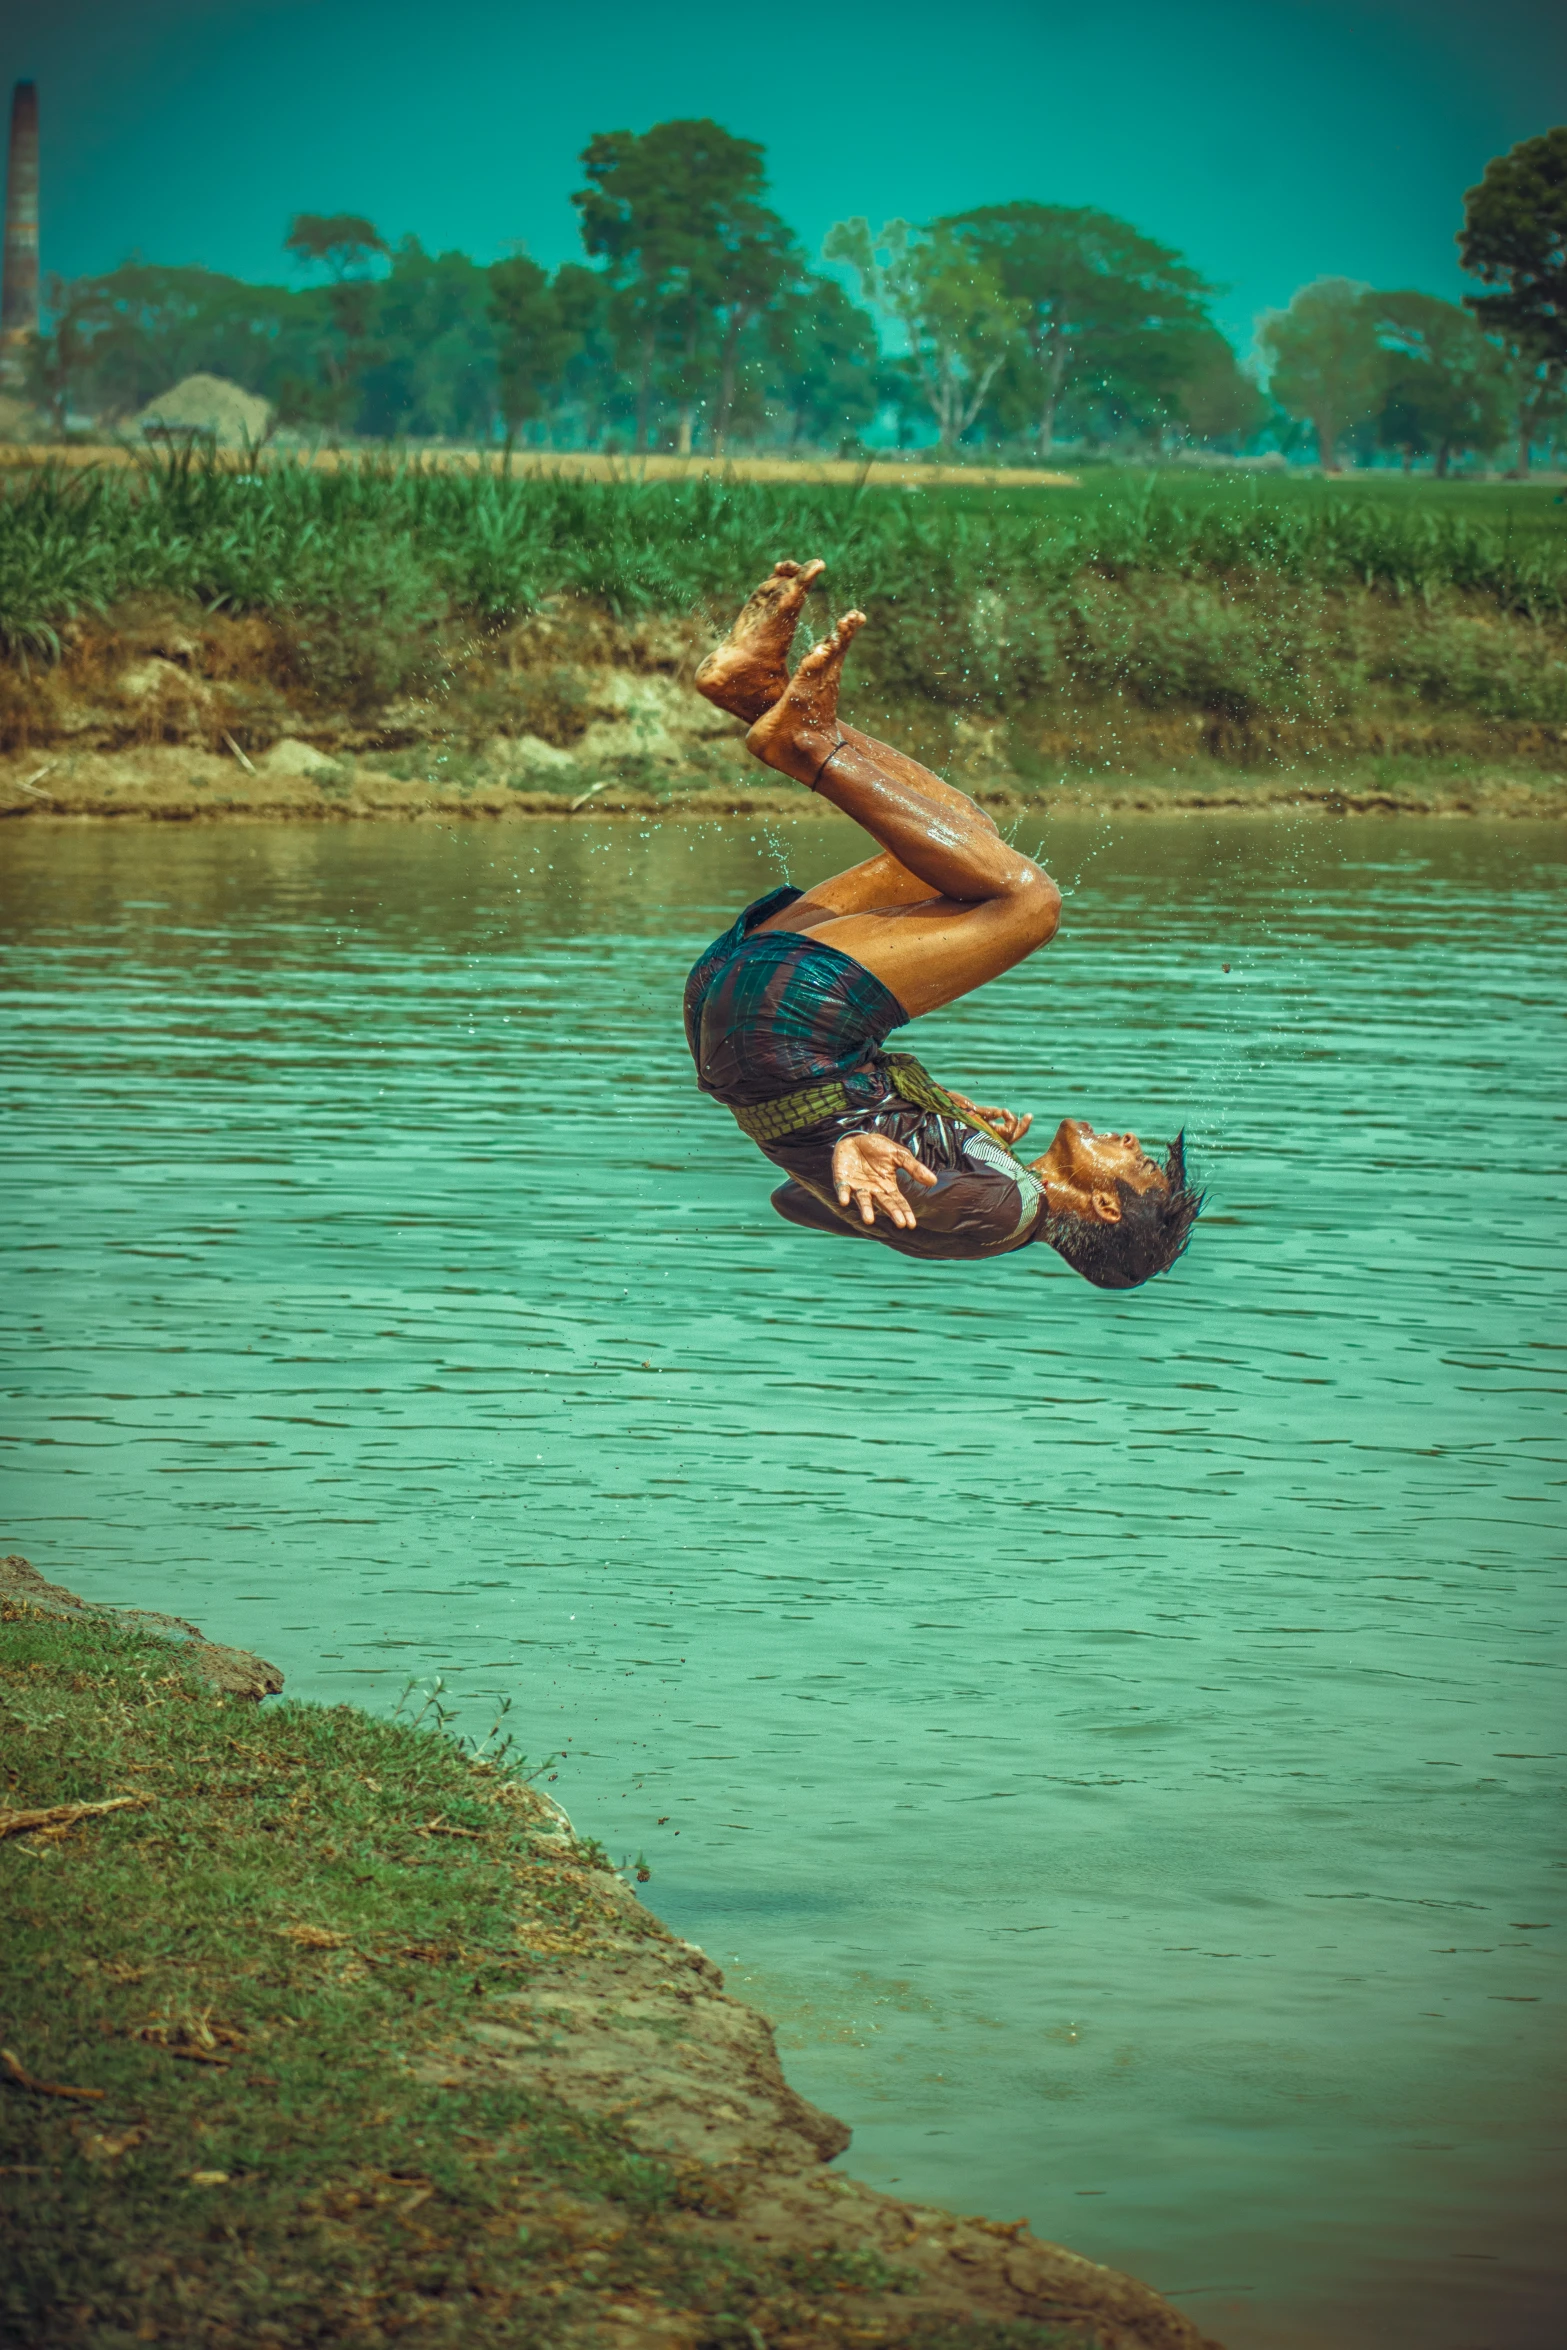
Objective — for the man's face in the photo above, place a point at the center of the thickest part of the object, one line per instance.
(1081, 1169)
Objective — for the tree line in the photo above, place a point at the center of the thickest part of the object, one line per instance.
(1427, 378)
(697, 321)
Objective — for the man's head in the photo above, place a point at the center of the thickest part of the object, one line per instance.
(1114, 1214)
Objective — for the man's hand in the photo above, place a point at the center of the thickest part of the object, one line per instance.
(865, 1168)
(1007, 1123)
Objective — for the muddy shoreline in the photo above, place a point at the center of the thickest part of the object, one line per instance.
(296, 783)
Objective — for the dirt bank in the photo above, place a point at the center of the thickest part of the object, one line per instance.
(299, 783)
(167, 712)
(321, 2029)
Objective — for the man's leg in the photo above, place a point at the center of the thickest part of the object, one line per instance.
(747, 674)
(981, 906)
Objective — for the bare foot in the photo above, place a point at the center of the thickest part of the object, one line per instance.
(749, 670)
(799, 734)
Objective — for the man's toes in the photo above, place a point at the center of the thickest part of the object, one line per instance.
(828, 653)
(792, 579)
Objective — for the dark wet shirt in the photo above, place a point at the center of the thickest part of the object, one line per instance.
(983, 1202)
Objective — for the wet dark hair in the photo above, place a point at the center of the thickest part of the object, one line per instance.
(1155, 1227)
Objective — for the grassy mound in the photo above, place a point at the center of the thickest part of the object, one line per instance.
(231, 2104)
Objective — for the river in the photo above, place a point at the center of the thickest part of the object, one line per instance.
(1116, 1738)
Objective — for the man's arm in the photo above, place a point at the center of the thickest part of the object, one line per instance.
(984, 1207)
(808, 1209)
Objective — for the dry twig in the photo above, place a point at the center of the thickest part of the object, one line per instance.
(14, 2070)
(238, 753)
(63, 1815)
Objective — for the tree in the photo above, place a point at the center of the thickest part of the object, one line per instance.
(1445, 381)
(434, 369)
(1324, 361)
(59, 360)
(756, 259)
(533, 340)
(347, 246)
(344, 243)
(592, 385)
(948, 301)
(1185, 381)
(1215, 399)
(670, 212)
(1514, 237)
(826, 362)
(1534, 391)
(1087, 284)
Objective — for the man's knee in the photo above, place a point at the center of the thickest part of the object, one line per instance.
(1036, 904)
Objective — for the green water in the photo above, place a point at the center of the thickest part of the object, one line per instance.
(1117, 1739)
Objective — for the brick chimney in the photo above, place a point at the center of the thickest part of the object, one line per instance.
(19, 286)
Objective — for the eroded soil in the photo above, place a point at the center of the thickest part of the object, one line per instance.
(170, 713)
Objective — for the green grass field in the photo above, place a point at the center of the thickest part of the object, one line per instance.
(380, 538)
(1491, 505)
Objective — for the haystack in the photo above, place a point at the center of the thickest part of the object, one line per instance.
(208, 408)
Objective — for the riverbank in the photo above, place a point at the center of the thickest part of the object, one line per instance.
(321, 2028)
(400, 638)
(298, 783)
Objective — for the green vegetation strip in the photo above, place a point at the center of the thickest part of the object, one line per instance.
(398, 546)
(228, 2111)
(1279, 614)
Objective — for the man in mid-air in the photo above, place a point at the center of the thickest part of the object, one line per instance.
(788, 1012)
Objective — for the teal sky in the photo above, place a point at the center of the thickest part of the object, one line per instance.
(1272, 142)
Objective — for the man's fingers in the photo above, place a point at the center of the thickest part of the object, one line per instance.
(912, 1166)
(897, 1206)
(868, 1197)
(861, 1198)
